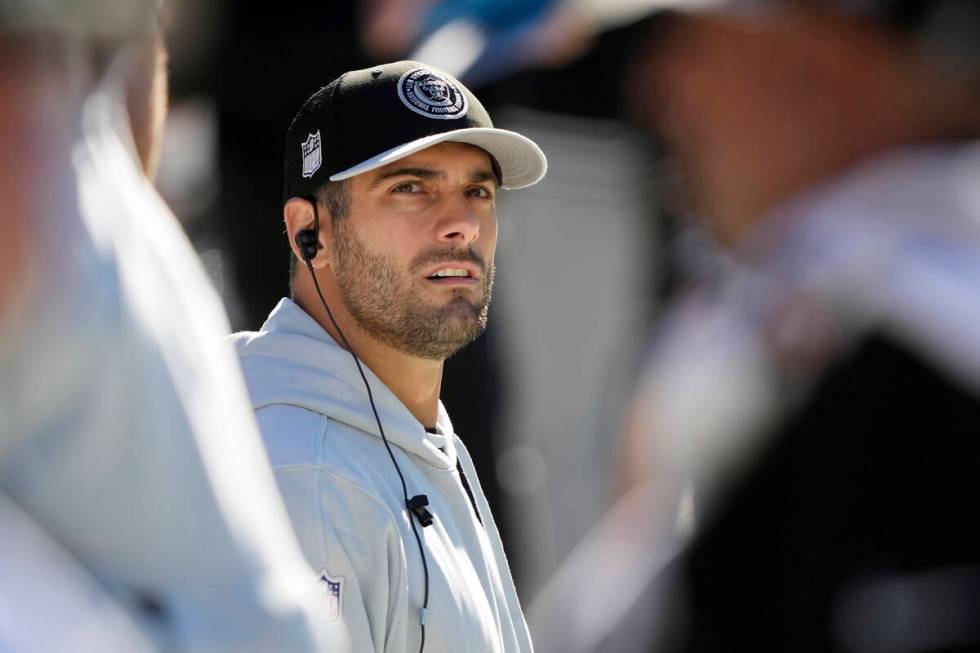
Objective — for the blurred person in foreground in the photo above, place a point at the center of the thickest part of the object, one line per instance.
(812, 412)
(138, 510)
(391, 180)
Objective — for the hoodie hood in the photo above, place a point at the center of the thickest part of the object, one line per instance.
(293, 361)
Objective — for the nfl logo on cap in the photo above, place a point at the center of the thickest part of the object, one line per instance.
(311, 154)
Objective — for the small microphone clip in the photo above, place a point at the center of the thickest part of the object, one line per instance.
(417, 505)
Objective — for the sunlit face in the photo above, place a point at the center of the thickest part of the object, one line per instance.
(413, 259)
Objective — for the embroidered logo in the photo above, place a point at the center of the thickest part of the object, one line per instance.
(432, 94)
(311, 154)
(331, 588)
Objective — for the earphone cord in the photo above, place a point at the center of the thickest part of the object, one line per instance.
(384, 438)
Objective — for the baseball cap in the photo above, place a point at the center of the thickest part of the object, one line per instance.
(369, 118)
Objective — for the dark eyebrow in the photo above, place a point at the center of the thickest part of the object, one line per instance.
(483, 175)
(429, 173)
(421, 173)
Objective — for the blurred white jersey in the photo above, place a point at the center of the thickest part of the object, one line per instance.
(48, 602)
(126, 431)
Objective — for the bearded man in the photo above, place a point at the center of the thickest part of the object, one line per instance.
(345, 376)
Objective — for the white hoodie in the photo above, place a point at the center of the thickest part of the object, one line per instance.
(346, 503)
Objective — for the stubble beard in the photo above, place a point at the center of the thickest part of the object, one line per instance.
(383, 301)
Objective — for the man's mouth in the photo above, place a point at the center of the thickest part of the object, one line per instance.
(450, 275)
(450, 272)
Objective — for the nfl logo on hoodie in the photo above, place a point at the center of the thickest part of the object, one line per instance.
(330, 588)
(311, 154)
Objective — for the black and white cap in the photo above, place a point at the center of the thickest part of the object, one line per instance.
(369, 118)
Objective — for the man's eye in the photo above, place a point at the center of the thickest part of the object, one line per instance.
(407, 187)
(480, 191)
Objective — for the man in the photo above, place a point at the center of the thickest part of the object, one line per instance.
(820, 396)
(136, 505)
(390, 212)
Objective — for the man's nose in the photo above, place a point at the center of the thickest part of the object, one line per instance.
(458, 223)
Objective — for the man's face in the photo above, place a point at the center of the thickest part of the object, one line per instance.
(413, 259)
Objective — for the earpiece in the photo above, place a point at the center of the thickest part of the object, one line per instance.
(307, 242)
(306, 239)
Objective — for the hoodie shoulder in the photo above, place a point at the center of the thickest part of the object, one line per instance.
(291, 434)
(240, 339)
(297, 437)
(247, 343)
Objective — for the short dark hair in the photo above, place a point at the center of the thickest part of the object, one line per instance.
(335, 196)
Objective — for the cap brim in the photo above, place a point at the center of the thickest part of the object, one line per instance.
(522, 163)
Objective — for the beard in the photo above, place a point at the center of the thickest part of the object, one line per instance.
(385, 302)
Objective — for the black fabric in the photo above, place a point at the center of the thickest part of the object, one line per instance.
(360, 115)
(876, 475)
(471, 392)
(465, 482)
(469, 491)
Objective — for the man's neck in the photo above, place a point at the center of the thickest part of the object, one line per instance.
(416, 382)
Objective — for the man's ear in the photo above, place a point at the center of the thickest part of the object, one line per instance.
(298, 215)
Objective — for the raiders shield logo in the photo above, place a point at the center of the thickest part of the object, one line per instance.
(311, 154)
(330, 589)
(432, 94)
